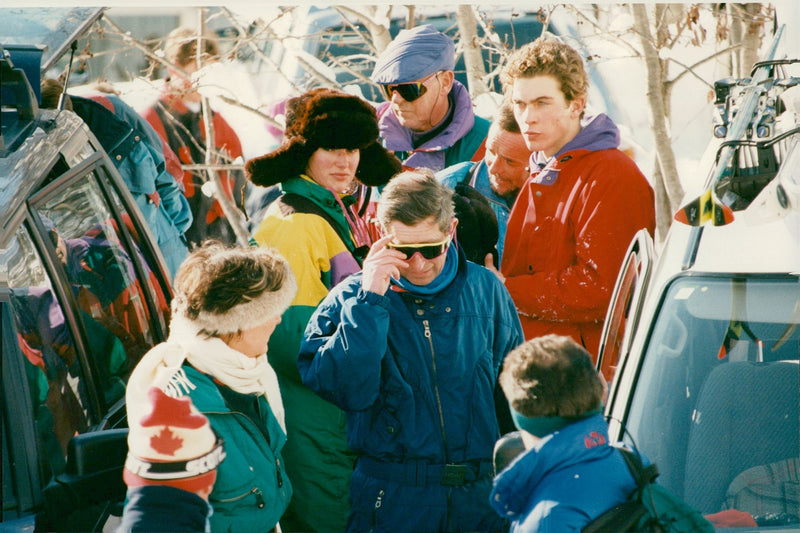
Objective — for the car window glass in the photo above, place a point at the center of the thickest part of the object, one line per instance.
(151, 283)
(716, 400)
(618, 316)
(103, 280)
(55, 380)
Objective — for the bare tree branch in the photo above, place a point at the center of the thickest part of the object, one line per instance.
(473, 59)
(663, 142)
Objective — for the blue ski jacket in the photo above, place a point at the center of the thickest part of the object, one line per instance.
(137, 152)
(416, 376)
(393, 362)
(568, 479)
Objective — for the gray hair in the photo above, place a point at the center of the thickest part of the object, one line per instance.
(413, 196)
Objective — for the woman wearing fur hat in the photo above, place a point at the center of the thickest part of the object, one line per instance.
(227, 303)
(331, 145)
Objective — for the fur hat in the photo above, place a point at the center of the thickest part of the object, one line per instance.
(329, 119)
(173, 445)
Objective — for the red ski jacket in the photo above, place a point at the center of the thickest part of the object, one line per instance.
(568, 233)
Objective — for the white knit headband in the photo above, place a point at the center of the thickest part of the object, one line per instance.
(246, 315)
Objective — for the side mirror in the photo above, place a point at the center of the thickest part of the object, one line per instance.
(91, 486)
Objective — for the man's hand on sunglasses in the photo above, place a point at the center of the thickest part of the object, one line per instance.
(381, 264)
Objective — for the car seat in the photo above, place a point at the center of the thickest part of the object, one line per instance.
(746, 415)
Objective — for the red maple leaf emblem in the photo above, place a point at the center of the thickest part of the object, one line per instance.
(166, 442)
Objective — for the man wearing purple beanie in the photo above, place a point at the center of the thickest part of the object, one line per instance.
(428, 119)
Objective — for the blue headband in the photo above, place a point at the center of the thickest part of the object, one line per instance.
(541, 426)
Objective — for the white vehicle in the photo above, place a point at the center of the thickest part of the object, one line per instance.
(705, 338)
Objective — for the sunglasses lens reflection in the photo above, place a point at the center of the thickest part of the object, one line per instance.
(428, 251)
(408, 91)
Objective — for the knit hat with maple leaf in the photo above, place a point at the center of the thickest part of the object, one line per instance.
(173, 445)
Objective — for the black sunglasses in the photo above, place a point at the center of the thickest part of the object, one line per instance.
(428, 250)
(408, 91)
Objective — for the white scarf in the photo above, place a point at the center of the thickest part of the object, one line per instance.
(245, 375)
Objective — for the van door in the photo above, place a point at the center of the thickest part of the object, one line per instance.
(622, 316)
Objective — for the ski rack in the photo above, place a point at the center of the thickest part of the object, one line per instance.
(756, 140)
(750, 155)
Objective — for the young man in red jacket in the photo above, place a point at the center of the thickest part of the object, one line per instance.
(576, 215)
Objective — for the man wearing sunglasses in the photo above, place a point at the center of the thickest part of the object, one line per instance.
(498, 177)
(427, 119)
(410, 349)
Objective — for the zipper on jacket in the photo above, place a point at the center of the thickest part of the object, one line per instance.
(254, 491)
(378, 504)
(258, 431)
(436, 385)
(260, 499)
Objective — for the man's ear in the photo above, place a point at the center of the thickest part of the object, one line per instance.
(446, 78)
(577, 106)
(453, 224)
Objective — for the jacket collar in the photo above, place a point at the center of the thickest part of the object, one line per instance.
(398, 138)
(576, 443)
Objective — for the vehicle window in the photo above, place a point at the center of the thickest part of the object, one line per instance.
(618, 317)
(103, 280)
(716, 401)
(55, 380)
(157, 287)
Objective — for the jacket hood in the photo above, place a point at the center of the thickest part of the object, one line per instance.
(597, 133)
(580, 442)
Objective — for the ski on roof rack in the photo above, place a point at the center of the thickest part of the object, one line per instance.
(759, 128)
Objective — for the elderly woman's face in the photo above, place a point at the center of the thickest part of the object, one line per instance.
(334, 169)
(253, 342)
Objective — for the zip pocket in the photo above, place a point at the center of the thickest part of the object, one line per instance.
(255, 491)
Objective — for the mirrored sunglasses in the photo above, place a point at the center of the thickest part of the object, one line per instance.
(428, 250)
(408, 91)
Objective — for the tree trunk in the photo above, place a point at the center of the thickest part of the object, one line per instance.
(473, 60)
(753, 26)
(369, 16)
(234, 216)
(658, 118)
(663, 209)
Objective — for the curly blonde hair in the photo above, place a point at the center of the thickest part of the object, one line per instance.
(548, 56)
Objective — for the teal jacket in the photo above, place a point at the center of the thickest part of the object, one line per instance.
(251, 491)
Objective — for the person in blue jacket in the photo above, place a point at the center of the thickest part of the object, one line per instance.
(138, 154)
(568, 474)
(410, 348)
(499, 175)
